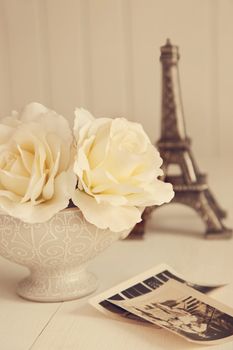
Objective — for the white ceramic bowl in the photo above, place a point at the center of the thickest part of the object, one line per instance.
(56, 253)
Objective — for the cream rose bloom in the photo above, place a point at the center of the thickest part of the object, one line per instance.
(36, 164)
(117, 169)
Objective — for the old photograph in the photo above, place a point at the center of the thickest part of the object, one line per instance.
(183, 311)
(141, 285)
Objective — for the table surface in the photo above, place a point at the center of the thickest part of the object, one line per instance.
(174, 236)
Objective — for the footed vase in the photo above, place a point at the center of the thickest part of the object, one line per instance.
(56, 253)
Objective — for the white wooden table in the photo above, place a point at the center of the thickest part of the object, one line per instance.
(173, 236)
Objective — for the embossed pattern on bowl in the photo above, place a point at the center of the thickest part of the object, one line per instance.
(56, 253)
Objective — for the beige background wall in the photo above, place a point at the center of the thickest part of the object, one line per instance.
(104, 55)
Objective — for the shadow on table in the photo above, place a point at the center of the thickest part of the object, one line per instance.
(154, 228)
(157, 228)
(176, 220)
(8, 286)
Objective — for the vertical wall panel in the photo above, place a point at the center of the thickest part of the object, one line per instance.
(43, 51)
(225, 75)
(5, 79)
(23, 45)
(187, 24)
(66, 52)
(107, 58)
(213, 120)
(104, 55)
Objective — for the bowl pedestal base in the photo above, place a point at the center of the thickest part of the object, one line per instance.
(58, 286)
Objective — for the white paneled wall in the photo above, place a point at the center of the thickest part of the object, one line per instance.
(104, 55)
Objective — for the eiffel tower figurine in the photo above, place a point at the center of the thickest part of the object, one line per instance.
(190, 185)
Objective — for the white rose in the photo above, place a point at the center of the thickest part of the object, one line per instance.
(36, 175)
(117, 169)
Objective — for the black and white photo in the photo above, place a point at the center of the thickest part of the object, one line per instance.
(183, 311)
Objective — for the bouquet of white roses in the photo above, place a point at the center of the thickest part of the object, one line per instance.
(107, 167)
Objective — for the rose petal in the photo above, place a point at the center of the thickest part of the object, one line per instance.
(31, 111)
(35, 159)
(17, 168)
(100, 177)
(100, 146)
(27, 159)
(37, 189)
(121, 189)
(120, 127)
(104, 215)
(10, 195)
(114, 200)
(98, 124)
(120, 163)
(82, 163)
(155, 193)
(37, 178)
(64, 188)
(82, 117)
(48, 189)
(13, 183)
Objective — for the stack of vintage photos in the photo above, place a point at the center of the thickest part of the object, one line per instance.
(161, 297)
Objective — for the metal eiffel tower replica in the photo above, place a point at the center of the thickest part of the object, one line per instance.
(190, 185)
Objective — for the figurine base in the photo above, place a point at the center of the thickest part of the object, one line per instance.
(226, 234)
